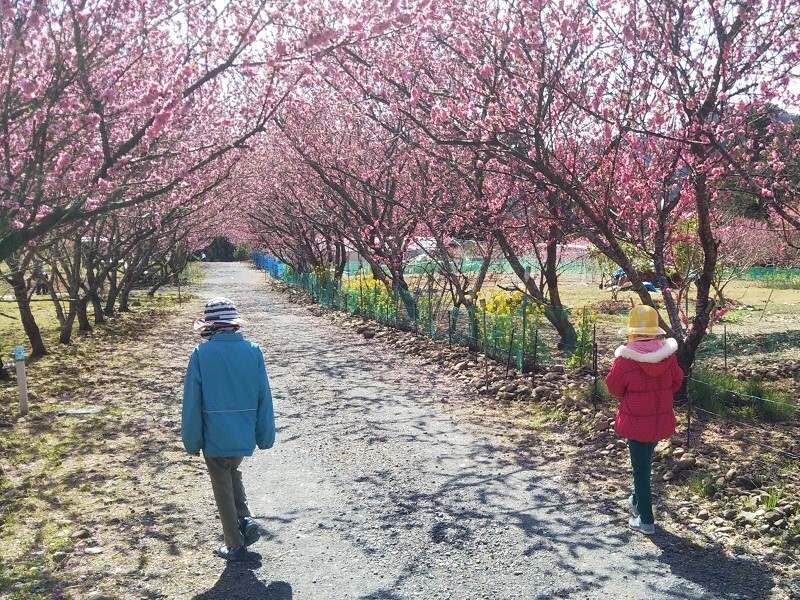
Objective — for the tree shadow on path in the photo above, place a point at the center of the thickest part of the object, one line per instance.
(239, 582)
(420, 487)
(712, 569)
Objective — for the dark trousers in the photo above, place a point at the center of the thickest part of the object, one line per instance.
(229, 494)
(641, 461)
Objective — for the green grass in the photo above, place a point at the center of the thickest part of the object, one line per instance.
(586, 393)
(742, 345)
(734, 317)
(701, 483)
(193, 273)
(770, 498)
(789, 282)
(784, 279)
(750, 400)
(52, 465)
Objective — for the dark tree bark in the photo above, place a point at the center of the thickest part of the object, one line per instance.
(17, 281)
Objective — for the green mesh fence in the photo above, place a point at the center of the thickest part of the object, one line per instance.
(773, 277)
(580, 265)
(521, 338)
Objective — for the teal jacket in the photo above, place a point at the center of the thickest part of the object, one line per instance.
(227, 404)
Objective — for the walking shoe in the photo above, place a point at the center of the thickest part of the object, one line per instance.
(249, 529)
(632, 507)
(233, 554)
(636, 523)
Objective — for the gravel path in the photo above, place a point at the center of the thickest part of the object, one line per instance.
(378, 488)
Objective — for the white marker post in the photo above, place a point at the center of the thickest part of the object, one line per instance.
(22, 380)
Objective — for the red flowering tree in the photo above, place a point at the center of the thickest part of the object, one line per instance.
(361, 179)
(108, 104)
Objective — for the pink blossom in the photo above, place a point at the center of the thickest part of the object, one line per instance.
(28, 87)
(43, 212)
(162, 118)
(61, 164)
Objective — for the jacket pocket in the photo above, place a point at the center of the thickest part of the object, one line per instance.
(231, 432)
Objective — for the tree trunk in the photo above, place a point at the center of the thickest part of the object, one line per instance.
(124, 297)
(152, 291)
(705, 305)
(66, 327)
(83, 317)
(99, 317)
(111, 300)
(113, 292)
(28, 322)
(341, 261)
(555, 313)
(407, 298)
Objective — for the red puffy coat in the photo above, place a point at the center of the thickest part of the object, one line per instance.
(646, 382)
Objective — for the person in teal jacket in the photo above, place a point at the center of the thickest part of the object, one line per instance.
(227, 412)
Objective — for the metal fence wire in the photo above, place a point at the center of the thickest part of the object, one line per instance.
(520, 337)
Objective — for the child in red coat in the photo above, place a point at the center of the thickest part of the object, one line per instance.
(645, 375)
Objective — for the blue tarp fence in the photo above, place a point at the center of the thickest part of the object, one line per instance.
(270, 264)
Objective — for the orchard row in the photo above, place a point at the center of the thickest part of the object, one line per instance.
(659, 133)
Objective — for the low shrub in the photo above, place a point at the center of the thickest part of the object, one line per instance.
(587, 392)
(771, 497)
(701, 483)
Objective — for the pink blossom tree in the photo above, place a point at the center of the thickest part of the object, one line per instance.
(366, 178)
(107, 104)
(625, 118)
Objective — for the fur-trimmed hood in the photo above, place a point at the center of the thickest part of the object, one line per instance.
(669, 348)
(653, 363)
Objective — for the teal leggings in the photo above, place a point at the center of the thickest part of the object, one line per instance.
(641, 461)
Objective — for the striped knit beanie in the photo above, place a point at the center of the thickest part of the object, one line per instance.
(219, 312)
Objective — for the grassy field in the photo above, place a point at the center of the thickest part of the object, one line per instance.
(66, 481)
(758, 309)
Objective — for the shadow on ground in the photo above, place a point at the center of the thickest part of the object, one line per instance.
(710, 568)
(239, 582)
(449, 493)
(473, 490)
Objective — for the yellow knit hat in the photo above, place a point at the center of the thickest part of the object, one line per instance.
(643, 320)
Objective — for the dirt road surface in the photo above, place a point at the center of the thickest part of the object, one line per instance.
(384, 484)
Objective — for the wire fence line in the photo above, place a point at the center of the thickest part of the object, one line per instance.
(785, 453)
(791, 455)
(517, 334)
(777, 432)
(520, 338)
(750, 396)
(718, 409)
(786, 473)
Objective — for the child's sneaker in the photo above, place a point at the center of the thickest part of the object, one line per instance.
(632, 507)
(636, 523)
(249, 529)
(233, 554)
